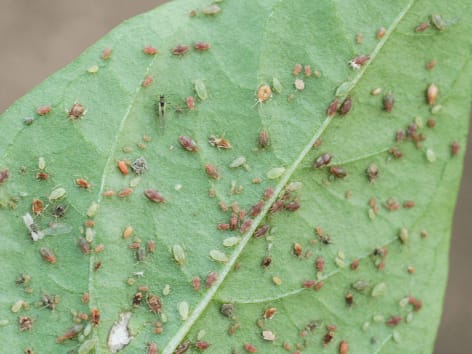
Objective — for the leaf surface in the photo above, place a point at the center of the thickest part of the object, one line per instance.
(252, 42)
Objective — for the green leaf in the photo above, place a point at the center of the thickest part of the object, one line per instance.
(402, 252)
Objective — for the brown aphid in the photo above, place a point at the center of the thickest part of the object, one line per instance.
(106, 54)
(256, 208)
(318, 285)
(50, 302)
(37, 206)
(393, 321)
(320, 264)
(47, 255)
(294, 205)
(151, 246)
(196, 282)
(202, 345)
(266, 261)
(338, 171)
(269, 313)
(137, 299)
(242, 214)
(327, 338)
(343, 347)
(188, 143)
(287, 346)
(392, 204)
(388, 102)
(95, 317)
(408, 204)
(263, 139)
(4, 174)
(455, 147)
(268, 193)
(223, 227)
(355, 264)
(76, 111)
(307, 70)
(395, 152)
(211, 171)
(381, 32)
(322, 160)
(349, 298)
(359, 61)
(25, 323)
(317, 143)
(180, 49)
(417, 304)
(250, 348)
(150, 50)
(297, 69)
(154, 303)
(233, 221)
(84, 245)
(182, 348)
(227, 310)
(264, 93)
(123, 167)
(432, 94)
(70, 333)
(332, 108)
(43, 110)
(42, 175)
(99, 248)
(152, 348)
(346, 106)
(125, 192)
(85, 298)
(82, 183)
(297, 249)
(148, 80)
(134, 245)
(210, 280)
(400, 135)
(431, 123)
(245, 226)
(372, 173)
(220, 143)
(109, 193)
(422, 27)
(430, 65)
(97, 265)
(154, 196)
(201, 46)
(278, 205)
(261, 231)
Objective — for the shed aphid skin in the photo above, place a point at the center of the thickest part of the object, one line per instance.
(161, 110)
(264, 93)
(200, 89)
(219, 142)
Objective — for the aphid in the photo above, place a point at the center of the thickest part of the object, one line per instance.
(438, 22)
(266, 261)
(297, 69)
(76, 111)
(250, 348)
(430, 65)
(154, 303)
(409, 204)
(154, 196)
(343, 347)
(188, 143)
(29, 351)
(196, 282)
(275, 172)
(393, 321)
(233, 222)
(322, 160)
(211, 171)
(210, 280)
(307, 70)
(41, 176)
(372, 173)
(379, 290)
(346, 106)
(358, 61)
(388, 102)
(395, 152)
(95, 317)
(292, 206)
(268, 193)
(432, 94)
(202, 345)
(200, 89)
(349, 298)
(179, 254)
(106, 54)
(319, 264)
(152, 348)
(201, 46)
(261, 231)
(139, 165)
(264, 93)
(37, 206)
(82, 183)
(70, 333)
(338, 171)
(278, 204)
(332, 108)
(263, 139)
(180, 49)
(299, 84)
(381, 32)
(123, 167)
(43, 110)
(297, 249)
(140, 254)
(47, 255)
(223, 227)
(84, 245)
(125, 192)
(211, 10)
(256, 208)
(161, 110)
(422, 27)
(151, 246)
(245, 226)
(417, 304)
(57, 193)
(97, 265)
(150, 50)
(392, 204)
(455, 146)
(109, 193)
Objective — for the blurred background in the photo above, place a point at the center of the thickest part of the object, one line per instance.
(38, 37)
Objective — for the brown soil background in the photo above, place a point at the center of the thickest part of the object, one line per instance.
(38, 37)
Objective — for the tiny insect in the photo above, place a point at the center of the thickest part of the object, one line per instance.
(154, 303)
(137, 299)
(211, 171)
(263, 140)
(455, 147)
(161, 110)
(47, 255)
(151, 246)
(84, 245)
(37, 206)
(277, 206)
(381, 32)
(95, 317)
(422, 27)
(196, 283)
(256, 208)
(43, 110)
(297, 69)
(294, 205)
(297, 249)
(346, 106)
(154, 196)
(150, 50)
(180, 49)
(76, 111)
(432, 94)
(152, 348)
(125, 192)
(322, 160)
(201, 46)
(220, 143)
(388, 102)
(108, 193)
(264, 92)
(338, 171)
(148, 80)
(343, 347)
(245, 225)
(359, 61)
(188, 143)
(266, 261)
(82, 183)
(393, 321)
(308, 71)
(332, 108)
(70, 333)
(106, 54)
(202, 345)
(97, 266)
(261, 231)
(190, 102)
(210, 280)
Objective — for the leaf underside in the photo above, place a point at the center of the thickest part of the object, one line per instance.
(252, 42)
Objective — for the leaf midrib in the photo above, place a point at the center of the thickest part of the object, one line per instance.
(200, 308)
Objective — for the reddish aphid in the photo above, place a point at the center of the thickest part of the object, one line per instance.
(250, 348)
(202, 46)
(148, 80)
(70, 333)
(430, 65)
(409, 204)
(242, 214)
(392, 204)
(307, 70)
(261, 231)
(82, 183)
(76, 111)
(359, 61)
(355, 264)
(106, 54)
(42, 176)
(297, 69)
(292, 206)
(95, 317)
(137, 299)
(343, 347)
(47, 255)
(338, 171)
(211, 278)
(180, 49)
(43, 110)
(211, 171)
(202, 345)
(245, 225)
(322, 160)
(233, 221)
(263, 139)
(388, 102)
(332, 108)
(431, 94)
(196, 283)
(269, 313)
(268, 193)
(152, 348)
(125, 192)
(223, 227)
(109, 193)
(188, 143)
(154, 196)
(346, 106)
(150, 50)
(123, 167)
(134, 245)
(393, 321)
(84, 245)
(97, 266)
(190, 102)
(417, 304)
(278, 204)
(256, 208)
(151, 246)
(320, 263)
(455, 147)
(349, 298)
(85, 298)
(307, 284)
(422, 27)
(37, 206)
(395, 152)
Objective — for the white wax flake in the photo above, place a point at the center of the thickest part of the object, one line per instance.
(219, 256)
(119, 335)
